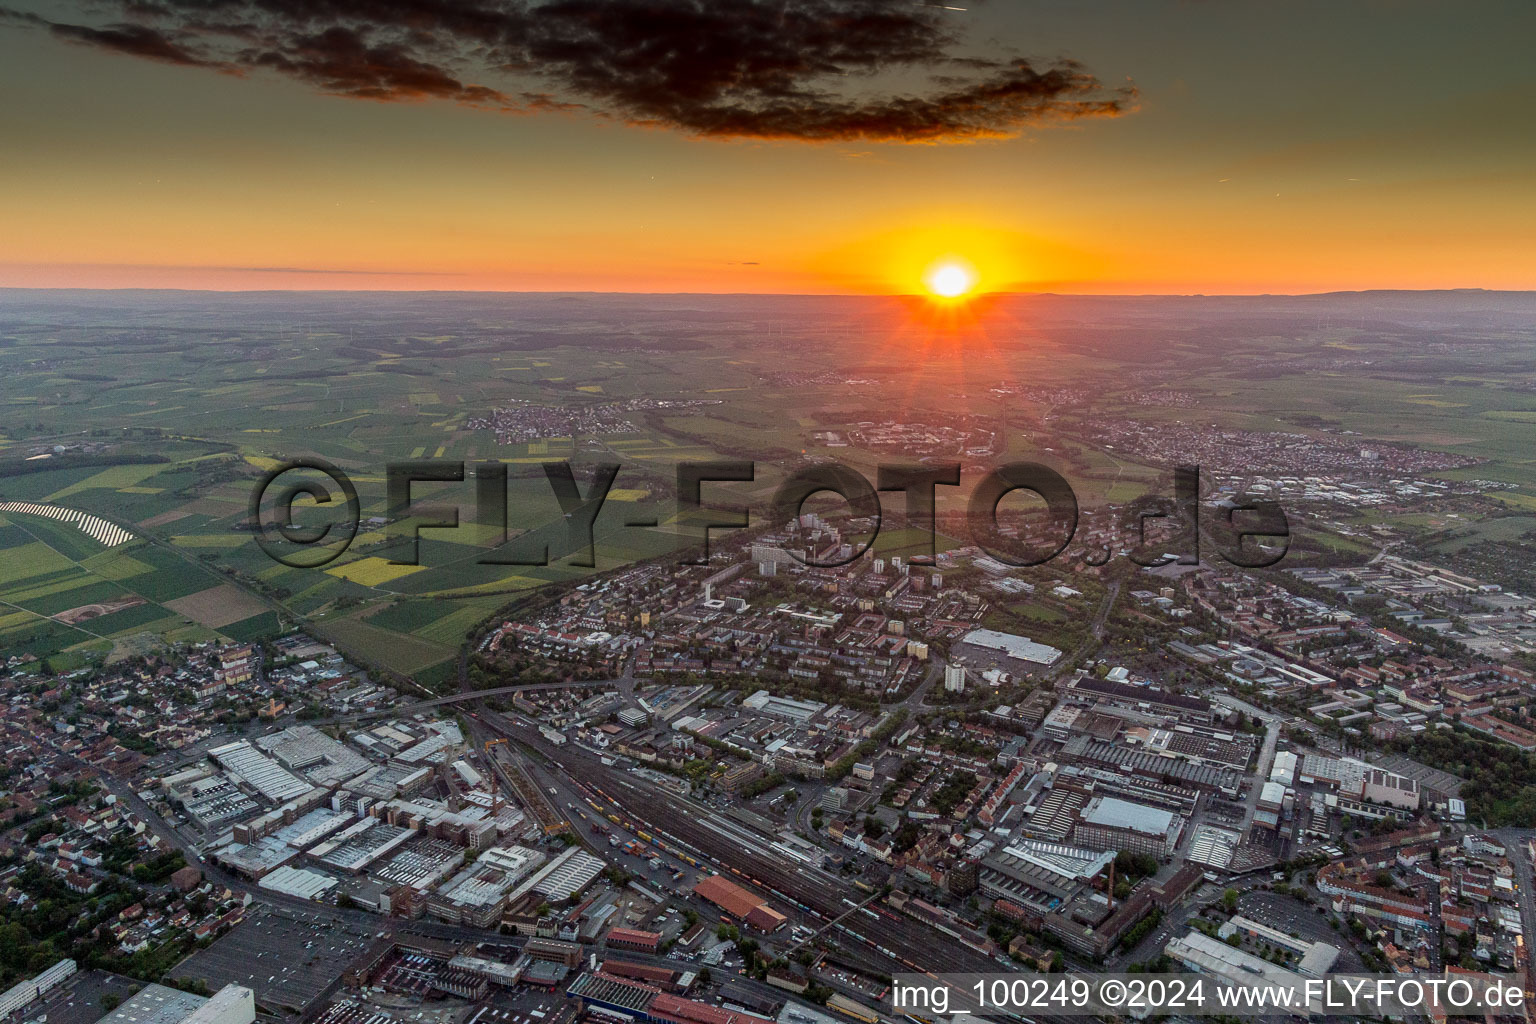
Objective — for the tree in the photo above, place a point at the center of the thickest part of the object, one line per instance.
(705, 976)
(1229, 900)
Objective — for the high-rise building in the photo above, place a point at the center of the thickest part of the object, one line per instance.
(954, 677)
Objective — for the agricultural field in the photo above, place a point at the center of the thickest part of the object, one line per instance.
(160, 416)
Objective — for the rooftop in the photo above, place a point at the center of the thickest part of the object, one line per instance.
(1020, 647)
(1112, 812)
(155, 1004)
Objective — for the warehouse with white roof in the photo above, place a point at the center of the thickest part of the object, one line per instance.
(1109, 823)
(1018, 648)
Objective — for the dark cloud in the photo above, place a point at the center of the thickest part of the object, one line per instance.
(812, 70)
(134, 40)
(338, 60)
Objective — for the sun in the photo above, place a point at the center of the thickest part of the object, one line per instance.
(950, 279)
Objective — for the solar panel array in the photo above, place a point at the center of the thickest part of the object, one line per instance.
(95, 527)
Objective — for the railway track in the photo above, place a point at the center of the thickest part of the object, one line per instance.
(911, 945)
(908, 944)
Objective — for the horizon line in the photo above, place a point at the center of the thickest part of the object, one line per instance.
(979, 296)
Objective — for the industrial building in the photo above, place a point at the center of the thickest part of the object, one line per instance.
(493, 972)
(1283, 771)
(1317, 958)
(553, 951)
(798, 711)
(1108, 823)
(634, 1000)
(1040, 876)
(562, 878)
(209, 797)
(1382, 787)
(1010, 646)
(259, 772)
(307, 751)
(291, 881)
(739, 903)
(1204, 955)
(477, 896)
(158, 1004)
(1142, 698)
(25, 992)
(633, 938)
(359, 845)
(232, 1004)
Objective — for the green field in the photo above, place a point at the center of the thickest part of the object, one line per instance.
(170, 409)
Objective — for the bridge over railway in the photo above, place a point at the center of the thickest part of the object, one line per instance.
(623, 686)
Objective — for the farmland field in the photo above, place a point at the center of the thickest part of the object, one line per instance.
(160, 416)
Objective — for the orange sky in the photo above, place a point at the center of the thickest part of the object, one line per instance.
(1307, 150)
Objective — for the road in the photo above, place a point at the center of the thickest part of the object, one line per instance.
(1095, 633)
(624, 686)
(1516, 839)
(1272, 723)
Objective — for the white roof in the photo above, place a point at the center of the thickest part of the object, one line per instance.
(298, 882)
(1116, 813)
(1020, 647)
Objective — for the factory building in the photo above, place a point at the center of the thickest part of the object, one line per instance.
(25, 992)
(1381, 787)
(1204, 955)
(1108, 823)
(1317, 958)
(477, 896)
(159, 1004)
(1011, 647)
(739, 903)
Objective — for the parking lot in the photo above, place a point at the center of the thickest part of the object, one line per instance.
(1290, 915)
(521, 1007)
(287, 957)
(80, 999)
(410, 974)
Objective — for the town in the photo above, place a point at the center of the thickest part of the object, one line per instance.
(751, 789)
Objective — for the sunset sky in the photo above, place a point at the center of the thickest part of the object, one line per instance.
(1199, 146)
